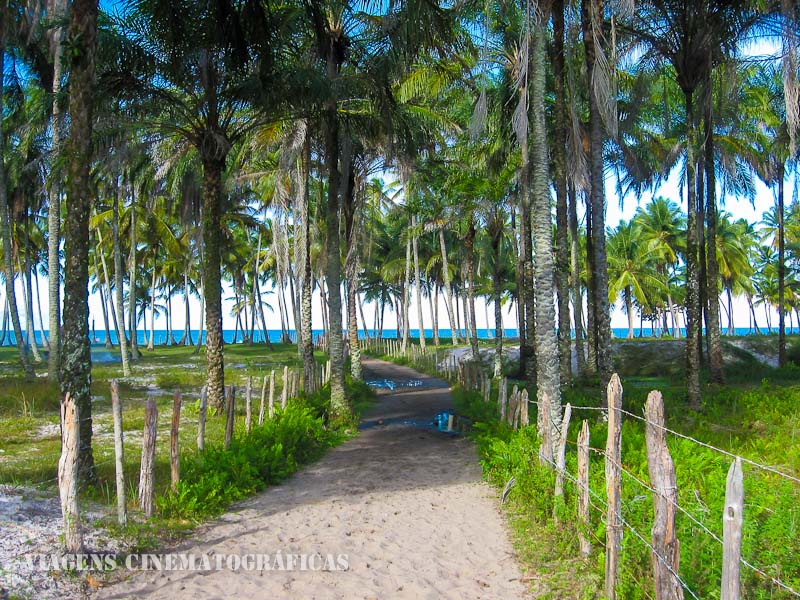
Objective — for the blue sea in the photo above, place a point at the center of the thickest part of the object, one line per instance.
(230, 337)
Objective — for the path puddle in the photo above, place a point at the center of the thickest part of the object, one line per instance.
(391, 384)
(437, 423)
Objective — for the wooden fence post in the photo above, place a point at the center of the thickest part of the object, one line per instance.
(583, 488)
(201, 420)
(248, 406)
(666, 548)
(732, 532)
(230, 407)
(561, 459)
(613, 485)
(119, 453)
(523, 408)
(174, 457)
(272, 394)
(544, 430)
(148, 457)
(263, 401)
(68, 475)
(285, 389)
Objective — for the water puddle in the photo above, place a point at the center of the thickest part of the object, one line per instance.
(445, 422)
(391, 384)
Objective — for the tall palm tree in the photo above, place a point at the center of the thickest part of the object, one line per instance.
(76, 369)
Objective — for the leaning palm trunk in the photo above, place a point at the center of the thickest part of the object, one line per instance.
(54, 215)
(212, 284)
(76, 375)
(121, 337)
(132, 321)
(599, 275)
(547, 372)
(712, 268)
(5, 228)
(448, 296)
(418, 284)
(30, 325)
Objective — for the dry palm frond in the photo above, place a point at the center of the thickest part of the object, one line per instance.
(604, 73)
(791, 86)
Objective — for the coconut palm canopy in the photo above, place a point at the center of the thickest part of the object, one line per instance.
(253, 156)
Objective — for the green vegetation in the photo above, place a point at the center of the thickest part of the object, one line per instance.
(757, 421)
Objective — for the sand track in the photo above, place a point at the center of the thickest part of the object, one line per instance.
(405, 504)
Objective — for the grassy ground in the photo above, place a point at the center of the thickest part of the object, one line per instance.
(756, 415)
(29, 419)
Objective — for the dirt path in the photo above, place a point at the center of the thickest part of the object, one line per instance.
(405, 503)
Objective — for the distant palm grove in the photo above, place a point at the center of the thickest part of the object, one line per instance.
(396, 153)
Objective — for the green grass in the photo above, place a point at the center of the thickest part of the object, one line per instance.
(30, 438)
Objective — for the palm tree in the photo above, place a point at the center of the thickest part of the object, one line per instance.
(194, 75)
(76, 369)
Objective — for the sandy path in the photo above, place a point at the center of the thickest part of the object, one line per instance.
(405, 504)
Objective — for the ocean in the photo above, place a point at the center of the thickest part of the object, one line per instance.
(99, 336)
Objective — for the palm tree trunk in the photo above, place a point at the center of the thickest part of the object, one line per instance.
(469, 244)
(76, 376)
(433, 298)
(547, 352)
(351, 271)
(187, 324)
(340, 406)
(212, 280)
(602, 317)
(169, 339)
(447, 290)
(693, 306)
(712, 268)
(103, 305)
(629, 310)
(106, 278)
(753, 314)
(497, 291)
(577, 293)
(201, 328)
(562, 227)
(151, 341)
(54, 214)
(29, 315)
(306, 325)
(4, 331)
(45, 341)
(781, 272)
(121, 338)
(731, 328)
(132, 316)
(418, 283)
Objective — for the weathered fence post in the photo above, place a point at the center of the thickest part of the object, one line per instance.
(68, 475)
(285, 389)
(119, 453)
(583, 488)
(230, 407)
(666, 548)
(248, 405)
(523, 408)
(148, 457)
(201, 420)
(561, 459)
(174, 457)
(613, 483)
(732, 532)
(272, 394)
(263, 401)
(544, 430)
